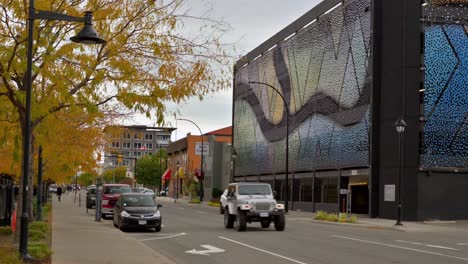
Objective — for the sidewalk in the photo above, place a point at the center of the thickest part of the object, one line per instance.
(365, 222)
(77, 238)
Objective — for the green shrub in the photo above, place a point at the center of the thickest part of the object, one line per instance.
(9, 255)
(332, 217)
(5, 230)
(38, 225)
(195, 200)
(342, 218)
(39, 250)
(36, 235)
(353, 219)
(215, 204)
(321, 215)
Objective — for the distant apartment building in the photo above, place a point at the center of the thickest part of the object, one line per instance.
(184, 160)
(133, 142)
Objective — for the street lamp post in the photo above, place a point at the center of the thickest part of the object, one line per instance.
(87, 35)
(233, 160)
(400, 126)
(201, 160)
(286, 200)
(177, 181)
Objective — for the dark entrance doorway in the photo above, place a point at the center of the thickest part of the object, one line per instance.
(359, 199)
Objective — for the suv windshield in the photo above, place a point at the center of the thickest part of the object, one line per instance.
(254, 190)
(116, 189)
(138, 201)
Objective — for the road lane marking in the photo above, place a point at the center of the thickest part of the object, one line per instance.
(201, 212)
(262, 250)
(400, 247)
(427, 245)
(209, 250)
(158, 238)
(462, 244)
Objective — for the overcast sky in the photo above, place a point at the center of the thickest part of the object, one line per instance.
(253, 22)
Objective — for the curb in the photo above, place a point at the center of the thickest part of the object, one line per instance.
(360, 225)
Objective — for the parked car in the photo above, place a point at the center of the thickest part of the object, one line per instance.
(138, 190)
(137, 210)
(91, 198)
(92, 186)
(110, 194)
(53, 188)
(252, 202)
(223, 201)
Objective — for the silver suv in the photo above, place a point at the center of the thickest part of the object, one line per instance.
(252, 202)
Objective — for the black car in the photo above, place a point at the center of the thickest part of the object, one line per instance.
(138, 210)
(91, 198)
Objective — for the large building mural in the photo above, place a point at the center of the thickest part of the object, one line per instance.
(323, 71)
(445, 129)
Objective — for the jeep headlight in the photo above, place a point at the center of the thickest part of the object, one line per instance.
(124, 214)
(280, 206)
(245, 206)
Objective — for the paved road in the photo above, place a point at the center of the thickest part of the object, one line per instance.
(196, 227)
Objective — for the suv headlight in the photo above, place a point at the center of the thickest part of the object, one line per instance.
(157, 214)
(245, 206)
(124, 214)
(280, 206)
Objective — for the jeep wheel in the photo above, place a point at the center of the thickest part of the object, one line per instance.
(221, 209)
(280, 222)
(228, 219)
(241, 221)
(265, 223)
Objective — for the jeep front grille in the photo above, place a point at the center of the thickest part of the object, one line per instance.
(262, 206)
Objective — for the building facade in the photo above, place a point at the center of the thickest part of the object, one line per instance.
(184, 159)
(347, 71)
(133, 142)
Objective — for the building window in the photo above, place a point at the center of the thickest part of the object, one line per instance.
(148, 136)
(126, 136)
(126, 154)
(137, 136)
(126, 145)
(326, 190)
(115, 144)
(137, 145)
(126, 163)
(149, 145)
(137, 154)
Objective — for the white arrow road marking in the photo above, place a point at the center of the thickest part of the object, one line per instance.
(427, 245)
(262, 250)
(400, 247)
(158, 238)
(209, 250)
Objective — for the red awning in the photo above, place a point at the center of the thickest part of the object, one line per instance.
(167, 175)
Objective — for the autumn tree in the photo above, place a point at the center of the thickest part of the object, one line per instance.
(86, 178)
(115, 175)
(148, 60)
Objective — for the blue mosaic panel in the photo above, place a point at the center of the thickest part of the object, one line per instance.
(445, 134)
(323, 73)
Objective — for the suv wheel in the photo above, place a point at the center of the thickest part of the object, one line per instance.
(228, 219)
(265, 223)
(280, 222)
(241, 221)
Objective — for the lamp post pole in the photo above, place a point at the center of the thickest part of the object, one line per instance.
(286, 200)
(400, 126)
(88, 36)
(201, 160)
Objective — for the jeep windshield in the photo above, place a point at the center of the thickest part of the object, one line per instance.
(254, 190)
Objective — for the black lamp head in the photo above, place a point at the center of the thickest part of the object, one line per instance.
(400, 125)
(88, 34)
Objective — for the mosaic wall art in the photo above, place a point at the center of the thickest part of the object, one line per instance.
(445, 132)
(323, 73)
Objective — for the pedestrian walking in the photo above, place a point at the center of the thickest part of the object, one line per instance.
(59, 192)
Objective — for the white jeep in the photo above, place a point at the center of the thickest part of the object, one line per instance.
(252, 202)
